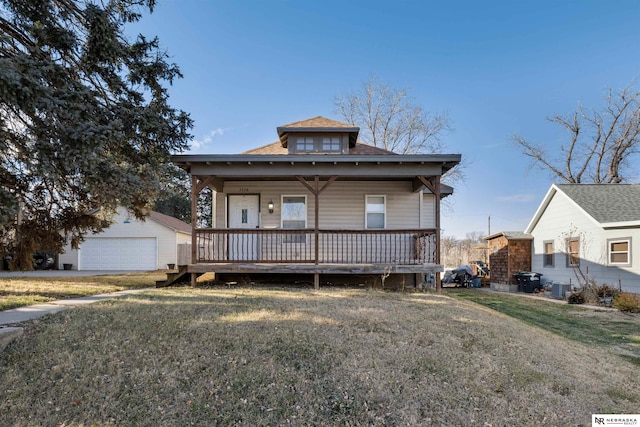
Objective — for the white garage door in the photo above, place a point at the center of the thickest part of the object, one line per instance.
(106, 253)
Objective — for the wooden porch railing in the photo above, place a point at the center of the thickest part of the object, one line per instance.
(402, 247)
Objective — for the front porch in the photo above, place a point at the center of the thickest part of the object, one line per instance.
(309, 251)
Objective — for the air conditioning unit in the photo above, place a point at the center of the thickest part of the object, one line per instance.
(558, 290)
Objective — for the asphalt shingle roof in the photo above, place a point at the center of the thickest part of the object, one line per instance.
(317, 122)
(170, 222)
(511, 235)
(606, 202)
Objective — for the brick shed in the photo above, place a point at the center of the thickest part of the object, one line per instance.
(509, 252)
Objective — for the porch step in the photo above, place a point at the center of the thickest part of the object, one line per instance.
(174, 277)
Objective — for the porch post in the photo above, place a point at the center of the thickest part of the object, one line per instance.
(316, 190)
(194, 222)
(437, 196)
(316, 193)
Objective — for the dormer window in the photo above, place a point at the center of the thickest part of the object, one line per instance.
(318, 135)
(318, 144)
(331, 143)
(305, 144)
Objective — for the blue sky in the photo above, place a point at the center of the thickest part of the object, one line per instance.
(496, 67)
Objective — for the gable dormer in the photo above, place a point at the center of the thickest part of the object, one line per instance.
(318, 135)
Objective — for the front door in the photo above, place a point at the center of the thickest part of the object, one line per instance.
(243, 213)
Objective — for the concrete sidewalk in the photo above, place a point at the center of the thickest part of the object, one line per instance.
(10, 319)
(65, 273)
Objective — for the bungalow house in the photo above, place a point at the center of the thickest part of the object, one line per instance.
(130, 244)
(588, 231)
(319, 202)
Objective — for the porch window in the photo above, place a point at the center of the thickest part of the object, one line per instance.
(375, 212)
(620, 252)
(548, 254)
(294, 217)
(573, 252)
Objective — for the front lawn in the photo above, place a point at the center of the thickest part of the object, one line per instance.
(22, 291)
(269, 356)
(607, 329)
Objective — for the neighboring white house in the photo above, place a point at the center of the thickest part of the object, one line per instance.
(591, 227)
(130, 244)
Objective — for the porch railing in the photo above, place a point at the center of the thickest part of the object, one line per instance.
(333, 246)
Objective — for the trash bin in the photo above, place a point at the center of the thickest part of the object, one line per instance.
(528, 281)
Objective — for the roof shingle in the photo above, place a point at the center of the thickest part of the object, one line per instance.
(171, 222)
(606, 203)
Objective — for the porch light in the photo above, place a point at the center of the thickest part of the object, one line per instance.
(270, 206)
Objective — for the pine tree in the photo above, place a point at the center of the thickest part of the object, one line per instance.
(85, 122)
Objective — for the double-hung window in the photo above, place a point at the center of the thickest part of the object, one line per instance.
(619, 251)
(548, 254)
(294, 217)
(573, 252)
(375, 212)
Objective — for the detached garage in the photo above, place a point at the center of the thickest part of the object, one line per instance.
(129, 244)
(128, 253)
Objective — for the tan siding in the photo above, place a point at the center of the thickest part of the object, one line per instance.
(342, 204)
(428, 211)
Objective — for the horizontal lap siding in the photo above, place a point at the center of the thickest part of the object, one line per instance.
(428, 211)
(342, 204)
(559, 219)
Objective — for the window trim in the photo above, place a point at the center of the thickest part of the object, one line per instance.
(550, 255)
(570, 254)
(291, 238)
(306, 210)
(610, 252)
(318, 143)
(366, 211)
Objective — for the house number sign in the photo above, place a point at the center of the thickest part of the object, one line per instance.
(244, 189)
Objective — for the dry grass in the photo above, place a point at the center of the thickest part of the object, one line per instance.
(255, 356)
(22, 291)
(605, 328)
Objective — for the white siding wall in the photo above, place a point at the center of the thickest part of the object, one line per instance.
(560, 218)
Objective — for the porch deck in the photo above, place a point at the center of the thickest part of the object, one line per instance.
(314, 252)
(308, 268)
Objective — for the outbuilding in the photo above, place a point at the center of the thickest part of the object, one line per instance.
(509, 253)
(130, 244)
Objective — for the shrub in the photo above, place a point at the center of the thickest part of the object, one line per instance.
(576, 298)
(606, 291)
(627, 302)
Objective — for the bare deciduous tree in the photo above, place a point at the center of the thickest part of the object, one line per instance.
(389, 119)
(601, 143)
